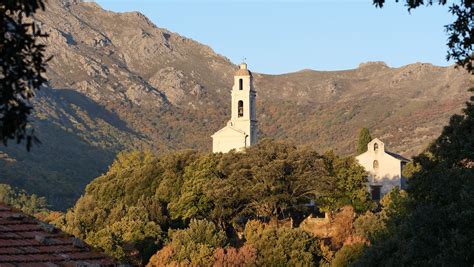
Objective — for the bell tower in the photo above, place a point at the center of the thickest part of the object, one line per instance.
(243, 104)
(241, 130)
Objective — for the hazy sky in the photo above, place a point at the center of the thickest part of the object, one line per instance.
(284, 36)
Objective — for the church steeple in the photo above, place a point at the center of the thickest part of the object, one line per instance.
(241, 130)
(243, 95)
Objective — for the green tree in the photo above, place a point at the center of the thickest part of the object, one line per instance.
(128, 210)
(368, 225)
(22, 64)
(435, 220)
(193, 246)
(347, 255)
(281, 246)
(410, 169)
(120, 212)
(272, 179)
(134, 238)
(30, 204)
(285, 179)
(364, 139)
(371, 225)
(348, 187)
(460, 41)
(193, 201)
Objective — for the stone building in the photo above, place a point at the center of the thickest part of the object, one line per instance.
(241, 130)
(384, 168)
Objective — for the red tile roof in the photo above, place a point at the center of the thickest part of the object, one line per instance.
(28, 242)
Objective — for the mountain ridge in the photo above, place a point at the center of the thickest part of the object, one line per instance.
(119, 82)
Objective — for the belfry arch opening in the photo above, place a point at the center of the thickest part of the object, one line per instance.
(376, 147)
(241, 84)
(240, 109)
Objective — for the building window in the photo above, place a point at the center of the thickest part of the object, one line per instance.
(240, 108)
(376, 165)
(241, 84)
(375, 192)
(376, 147)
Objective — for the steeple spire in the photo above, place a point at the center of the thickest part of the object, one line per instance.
(243, 122)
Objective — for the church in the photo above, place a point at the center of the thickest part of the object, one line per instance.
(384, 168)
(241, 130)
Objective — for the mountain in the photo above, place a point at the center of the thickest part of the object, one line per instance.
(118, 82)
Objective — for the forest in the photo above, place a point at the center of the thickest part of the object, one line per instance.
(145, 203)
(266, 206)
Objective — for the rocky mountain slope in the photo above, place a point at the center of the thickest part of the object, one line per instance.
(119, 82)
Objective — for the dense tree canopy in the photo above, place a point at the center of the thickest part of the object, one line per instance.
(22, 64)
(193, 246)
(204, 244)
(141, 197)
(281, 246)
(348, 187)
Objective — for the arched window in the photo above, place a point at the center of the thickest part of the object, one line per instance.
(240, 108)
(376, 165)
(241, 84)
(376, 147)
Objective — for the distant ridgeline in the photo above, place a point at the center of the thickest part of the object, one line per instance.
(118, 82)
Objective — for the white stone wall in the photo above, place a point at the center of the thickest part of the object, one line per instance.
(389, 171)
(226, 141)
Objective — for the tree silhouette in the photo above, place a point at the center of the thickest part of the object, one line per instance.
(22, 64)
(364, 139)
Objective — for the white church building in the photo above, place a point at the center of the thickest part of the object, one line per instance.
(241, 130)
(384, 169)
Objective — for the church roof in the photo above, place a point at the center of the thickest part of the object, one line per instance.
(229, 127)
(243, 72)
(397, 156)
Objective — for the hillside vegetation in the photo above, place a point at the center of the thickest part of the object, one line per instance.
(118, 82)
(135, 208)
(192, 209)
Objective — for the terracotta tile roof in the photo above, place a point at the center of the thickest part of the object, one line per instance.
(28, 242)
